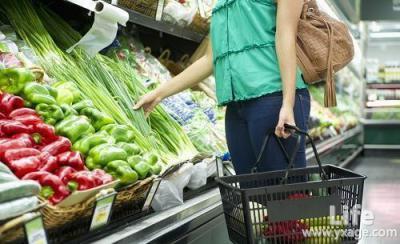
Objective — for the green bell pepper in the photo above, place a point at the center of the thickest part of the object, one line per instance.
(37, 93)
(82, 104)
(121, 133)
(130, 148)
(98, 118)
(143, 169)
(120, 169)
(133, 160)
(90, 141)
(50, 113)
(53, 92)
(150, 158)
(71, 87)
(155, 169)
(13, 80)
(74, 127)
(103, 154)
(68, 110)
(64, 96)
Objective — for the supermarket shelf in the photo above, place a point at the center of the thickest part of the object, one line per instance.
(380, 122)
(191, 214)
(382, 147)
(351, 157)
(392, 85)
(146, 21)
(332, 142)
(383, 103)
(382, 109)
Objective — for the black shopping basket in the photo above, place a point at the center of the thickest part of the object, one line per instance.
(320, 204)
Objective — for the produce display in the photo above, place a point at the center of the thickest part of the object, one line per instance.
(328, 122)
(34, 150)
(196, 113)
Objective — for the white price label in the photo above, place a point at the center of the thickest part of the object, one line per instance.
(102, 211)
(220, 167)
(160, 10)
(151, 193)
(34, 230)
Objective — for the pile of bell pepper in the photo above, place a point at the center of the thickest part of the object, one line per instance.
(32, 149)
(103, 143)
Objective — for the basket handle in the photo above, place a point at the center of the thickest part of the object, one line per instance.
(291, 159)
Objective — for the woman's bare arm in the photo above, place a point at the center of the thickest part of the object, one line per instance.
(192, 75)
(286, 31)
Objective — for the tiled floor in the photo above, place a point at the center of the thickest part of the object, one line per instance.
(381, 194)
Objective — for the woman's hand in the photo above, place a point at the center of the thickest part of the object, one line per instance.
(148, 102)
(286, 116)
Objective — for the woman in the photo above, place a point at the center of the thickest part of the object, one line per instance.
(253, 56)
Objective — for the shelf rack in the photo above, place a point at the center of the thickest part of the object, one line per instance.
(149, 22)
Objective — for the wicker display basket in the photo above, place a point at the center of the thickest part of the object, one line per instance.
(146, 7)
(129, 200)
(13, 229)
(54, 216)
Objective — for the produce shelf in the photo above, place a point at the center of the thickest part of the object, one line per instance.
(327, 145)
(192, 214)
(146, 21)
(383, 103)
(380, 122)
(392, 85)
(382, 109)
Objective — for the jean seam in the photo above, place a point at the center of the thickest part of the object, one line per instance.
(302, 111)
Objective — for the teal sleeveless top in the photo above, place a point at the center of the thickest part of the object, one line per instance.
(244, 56)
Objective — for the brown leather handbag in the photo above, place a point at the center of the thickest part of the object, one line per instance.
(324, 46)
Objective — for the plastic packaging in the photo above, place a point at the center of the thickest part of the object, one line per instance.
(199, 176)
(170, 191)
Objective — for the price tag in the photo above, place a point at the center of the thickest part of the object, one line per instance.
(34, 231)
(151, 193)
(220, 167)
(160, 10)
(102, 211)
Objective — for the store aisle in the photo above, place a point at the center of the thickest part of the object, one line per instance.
(381, 194)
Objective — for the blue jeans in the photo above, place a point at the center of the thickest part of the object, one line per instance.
(247, 123)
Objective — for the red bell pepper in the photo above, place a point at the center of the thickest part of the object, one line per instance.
(49, 163)
(15, 154)
(85, 180)
(8, 103)
(28, 119)
(53, 188)
(105, 177)
(47, 133)
(2, 116)
(60, 145)
(64, 173)
(27, 138)
(72, 159)
(12, 127)
(24, 166)
(22, 112)
(7, 144)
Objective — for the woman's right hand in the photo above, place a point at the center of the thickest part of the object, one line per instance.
(148, 102)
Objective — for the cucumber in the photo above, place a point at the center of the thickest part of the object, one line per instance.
(4, 177)
(17, 207)
(5, 169)
(16, 189)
